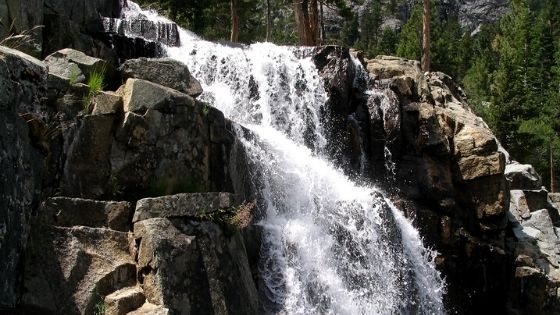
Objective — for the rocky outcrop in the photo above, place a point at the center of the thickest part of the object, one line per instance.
(70, 269)
(449, 163)
(74, 65)
(534, 222)
(471, 14)
(73, 24)
(146, 139)
(475, 13)
(182, 205)
(191, 256)
(185, 255)
(23, 85)
(163, 71)
(194, 268)
(75, 255)
(498, 247)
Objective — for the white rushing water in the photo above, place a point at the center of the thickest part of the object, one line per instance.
(329, 245)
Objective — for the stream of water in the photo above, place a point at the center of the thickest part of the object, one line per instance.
(329, 245)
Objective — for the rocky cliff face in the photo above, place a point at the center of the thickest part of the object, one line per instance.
(23, 83)
(178, 252)
(471, 14)
(489, 217)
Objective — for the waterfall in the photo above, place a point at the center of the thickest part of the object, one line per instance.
(329, 245)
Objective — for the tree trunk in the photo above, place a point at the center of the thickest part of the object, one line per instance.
(307, 20)
(268, 21)
(552, 173)
(313, 23)
(322, 37)
(426, 37)
(234, 22)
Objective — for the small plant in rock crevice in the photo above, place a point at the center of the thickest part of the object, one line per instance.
(231, 219)
(95, 82)
(205, 109)
(73, 76)
(99, 308)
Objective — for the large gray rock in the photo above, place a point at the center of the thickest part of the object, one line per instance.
(68, 212)
(71, 270)
(74, 65)
(140, 95)
(193, 268)
(182, 205)
(522, 176)
(124, 301)
(164, 143)
(88, 147)
(172, 144)
(106, 103)
(23, 81)
(22, 86)
(537, 252)
(165, 71)
(555, 199)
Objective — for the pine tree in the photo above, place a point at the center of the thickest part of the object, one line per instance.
(369, 33)
(524, 109)
(410, 45)
(509, 101)
(388, 42)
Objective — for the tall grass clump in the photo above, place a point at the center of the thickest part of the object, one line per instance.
(95, 82)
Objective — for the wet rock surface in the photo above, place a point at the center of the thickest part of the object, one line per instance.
(492, 241)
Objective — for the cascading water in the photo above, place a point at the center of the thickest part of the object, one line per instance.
(329, 246)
